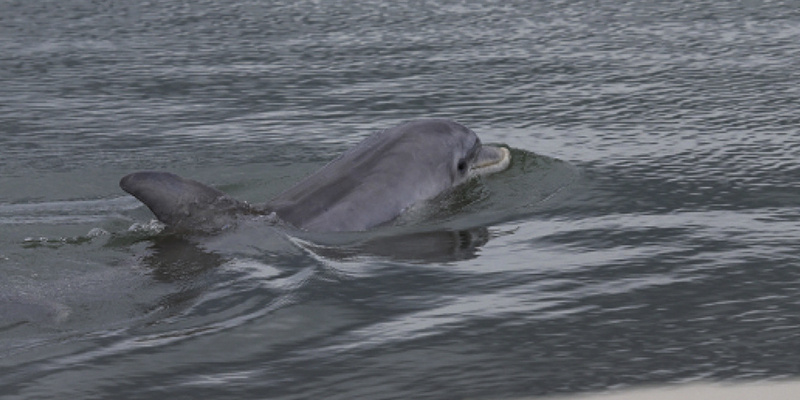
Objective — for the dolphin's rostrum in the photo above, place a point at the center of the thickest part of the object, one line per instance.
(366, 186)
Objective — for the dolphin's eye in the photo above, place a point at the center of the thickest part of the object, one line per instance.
(462, 166)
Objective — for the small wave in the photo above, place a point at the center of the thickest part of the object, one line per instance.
(64, 212)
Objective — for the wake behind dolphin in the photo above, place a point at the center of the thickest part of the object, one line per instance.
(366, 186)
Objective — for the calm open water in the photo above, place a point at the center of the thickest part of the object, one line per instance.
(647, 231)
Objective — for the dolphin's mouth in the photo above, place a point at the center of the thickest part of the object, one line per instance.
(489, 160)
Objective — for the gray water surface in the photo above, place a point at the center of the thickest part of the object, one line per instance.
(645, 233)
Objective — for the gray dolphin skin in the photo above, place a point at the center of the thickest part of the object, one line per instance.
(366, 186)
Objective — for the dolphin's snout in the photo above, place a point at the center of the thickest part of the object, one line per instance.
(490, 159)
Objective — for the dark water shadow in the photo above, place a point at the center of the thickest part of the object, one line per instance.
(174, 257)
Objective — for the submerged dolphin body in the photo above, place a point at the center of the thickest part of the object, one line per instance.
(366, 186)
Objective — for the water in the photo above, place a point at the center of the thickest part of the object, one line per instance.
(647, 232)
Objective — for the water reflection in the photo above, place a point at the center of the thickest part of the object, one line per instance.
(171, 257)
(418, 247)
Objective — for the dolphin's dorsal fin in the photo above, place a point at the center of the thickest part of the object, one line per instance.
(184, 204)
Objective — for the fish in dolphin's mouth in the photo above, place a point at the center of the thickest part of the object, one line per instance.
(490, 159)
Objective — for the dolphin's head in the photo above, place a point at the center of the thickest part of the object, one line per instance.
(448, 151)
(385, 174)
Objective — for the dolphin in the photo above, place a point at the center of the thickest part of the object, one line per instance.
(369, 185)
